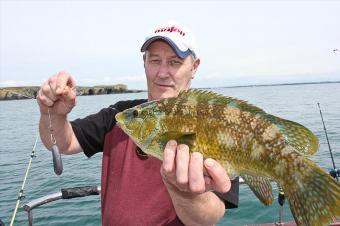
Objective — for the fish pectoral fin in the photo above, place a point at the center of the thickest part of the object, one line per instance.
(261, 187)
(187, 138)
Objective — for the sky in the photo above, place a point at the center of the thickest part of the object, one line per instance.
(239, 42)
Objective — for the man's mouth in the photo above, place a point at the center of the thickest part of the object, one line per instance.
(164, 85)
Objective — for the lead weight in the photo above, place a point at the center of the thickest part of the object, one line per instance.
(57, 163)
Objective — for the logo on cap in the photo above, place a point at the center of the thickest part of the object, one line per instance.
(170, 29)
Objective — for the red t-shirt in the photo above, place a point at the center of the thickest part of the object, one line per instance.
(133, 192)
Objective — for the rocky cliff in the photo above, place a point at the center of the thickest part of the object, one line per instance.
(30, 92)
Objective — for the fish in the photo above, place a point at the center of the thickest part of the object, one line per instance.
(246, 141)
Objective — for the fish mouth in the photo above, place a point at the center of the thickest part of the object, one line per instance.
(120, 122)
(119, 118)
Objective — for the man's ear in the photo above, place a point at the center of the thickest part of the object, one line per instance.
(144, 58)
(195, 67)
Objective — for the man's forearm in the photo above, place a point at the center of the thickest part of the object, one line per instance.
(203, 209)
(62, 131)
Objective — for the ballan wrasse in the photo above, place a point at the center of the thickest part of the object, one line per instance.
(247, 141)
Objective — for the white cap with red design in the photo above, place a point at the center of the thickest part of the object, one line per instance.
(176, 35)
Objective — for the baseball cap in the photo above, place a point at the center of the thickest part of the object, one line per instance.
(176, 35)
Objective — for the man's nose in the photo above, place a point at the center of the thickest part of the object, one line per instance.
(163, 70)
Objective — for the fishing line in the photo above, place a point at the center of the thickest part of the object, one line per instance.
(21, 192)
(335, 171)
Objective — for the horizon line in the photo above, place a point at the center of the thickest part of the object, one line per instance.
(216, 87)
(272, 84)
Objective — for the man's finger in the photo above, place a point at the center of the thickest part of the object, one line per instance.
(44, 99)
(69, 96)
(219, 178)
(196, 179)
(169, 157)
(46, 92)
(63, 79)
(52, 83)
(182, 165)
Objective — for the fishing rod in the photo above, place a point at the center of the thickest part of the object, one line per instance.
(21, 192)
(335, 172)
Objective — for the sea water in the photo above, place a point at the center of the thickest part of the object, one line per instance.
(19, 127)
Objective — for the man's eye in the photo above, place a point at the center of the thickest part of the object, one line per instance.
(175, 62)
(155, 61)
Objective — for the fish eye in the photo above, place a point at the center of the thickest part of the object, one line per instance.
(135, 113)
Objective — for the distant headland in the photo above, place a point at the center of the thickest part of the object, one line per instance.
(30, 92)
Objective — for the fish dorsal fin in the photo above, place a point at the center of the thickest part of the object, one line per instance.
(215, 98)
(187, 138)
(261, 187)
(296, 135)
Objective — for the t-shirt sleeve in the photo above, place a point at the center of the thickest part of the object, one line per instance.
(91, 130)
(230, 198)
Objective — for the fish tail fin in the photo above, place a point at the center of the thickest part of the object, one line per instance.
(313, 196)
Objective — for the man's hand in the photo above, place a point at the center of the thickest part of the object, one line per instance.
(59, 93)
(189, 188)
(184, 171)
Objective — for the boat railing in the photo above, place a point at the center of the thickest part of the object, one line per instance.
(65, 193)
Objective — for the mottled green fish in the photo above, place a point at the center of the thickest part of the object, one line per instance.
(247, 142)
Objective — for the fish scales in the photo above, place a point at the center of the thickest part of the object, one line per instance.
(195, 116)
(247, 142)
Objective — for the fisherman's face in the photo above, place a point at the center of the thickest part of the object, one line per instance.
(166, 73)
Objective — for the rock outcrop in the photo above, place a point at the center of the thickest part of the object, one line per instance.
(30, 92)
(18, 93)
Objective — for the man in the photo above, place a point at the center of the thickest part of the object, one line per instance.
(137, 189)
